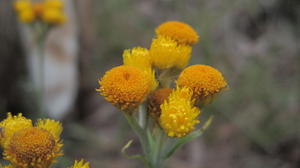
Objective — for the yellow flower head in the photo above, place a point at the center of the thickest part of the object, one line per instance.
(178, 115)
(156, 99)
(53, 16)
(140, 58)
(55, 4)
(10, 125)
(32, 146)
(125, 86)
(204, 80)
(21, 5)
(137, 57)
(178, 31)
(81, 164)
(166, 53)
(27, 15)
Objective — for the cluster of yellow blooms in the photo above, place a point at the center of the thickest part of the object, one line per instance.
(26, 145)
(46, 11)
(175, 110)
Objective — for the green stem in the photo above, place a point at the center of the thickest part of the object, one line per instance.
(142, 116)
(139, 131)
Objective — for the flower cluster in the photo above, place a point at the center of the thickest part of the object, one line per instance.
(148, 75)
(47, 11)
(27, 145)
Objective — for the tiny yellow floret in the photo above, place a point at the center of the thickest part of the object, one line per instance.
(125, 86)
(178, 114)
(167, 53)
(11, 125)
(203, 80)
(32, 147)
(178, 31)
(81, 164)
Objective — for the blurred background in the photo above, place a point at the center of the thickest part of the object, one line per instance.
(255, 43)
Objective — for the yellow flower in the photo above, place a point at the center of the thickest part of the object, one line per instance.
(178, 115)
(10, 125)
(178, 31)
(81, 164)
(137, 57)
(167, 53)
(53, 16)
(204, 80)
(32, 146)
(21, 5)
(125, 86)
(156, 99)
(55, 4)
(27, 15)
(140, 58)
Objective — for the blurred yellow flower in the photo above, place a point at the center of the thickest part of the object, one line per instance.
(204, 80)
(125, 86)
(27, 15)
(178, 31)
(12, 124)
(55, 4)
(178, 115)
(31, 146)
(81, 164)
(49, 11)
(166, 53)
(21, 5)
(53, 16)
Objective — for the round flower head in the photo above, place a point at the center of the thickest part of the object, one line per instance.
(10, 125)
(178, 115)
(156, 99)
(204, 80)
(178, 31)
(125, 86)
(32, 147)
(81, 164)
(167, 53)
